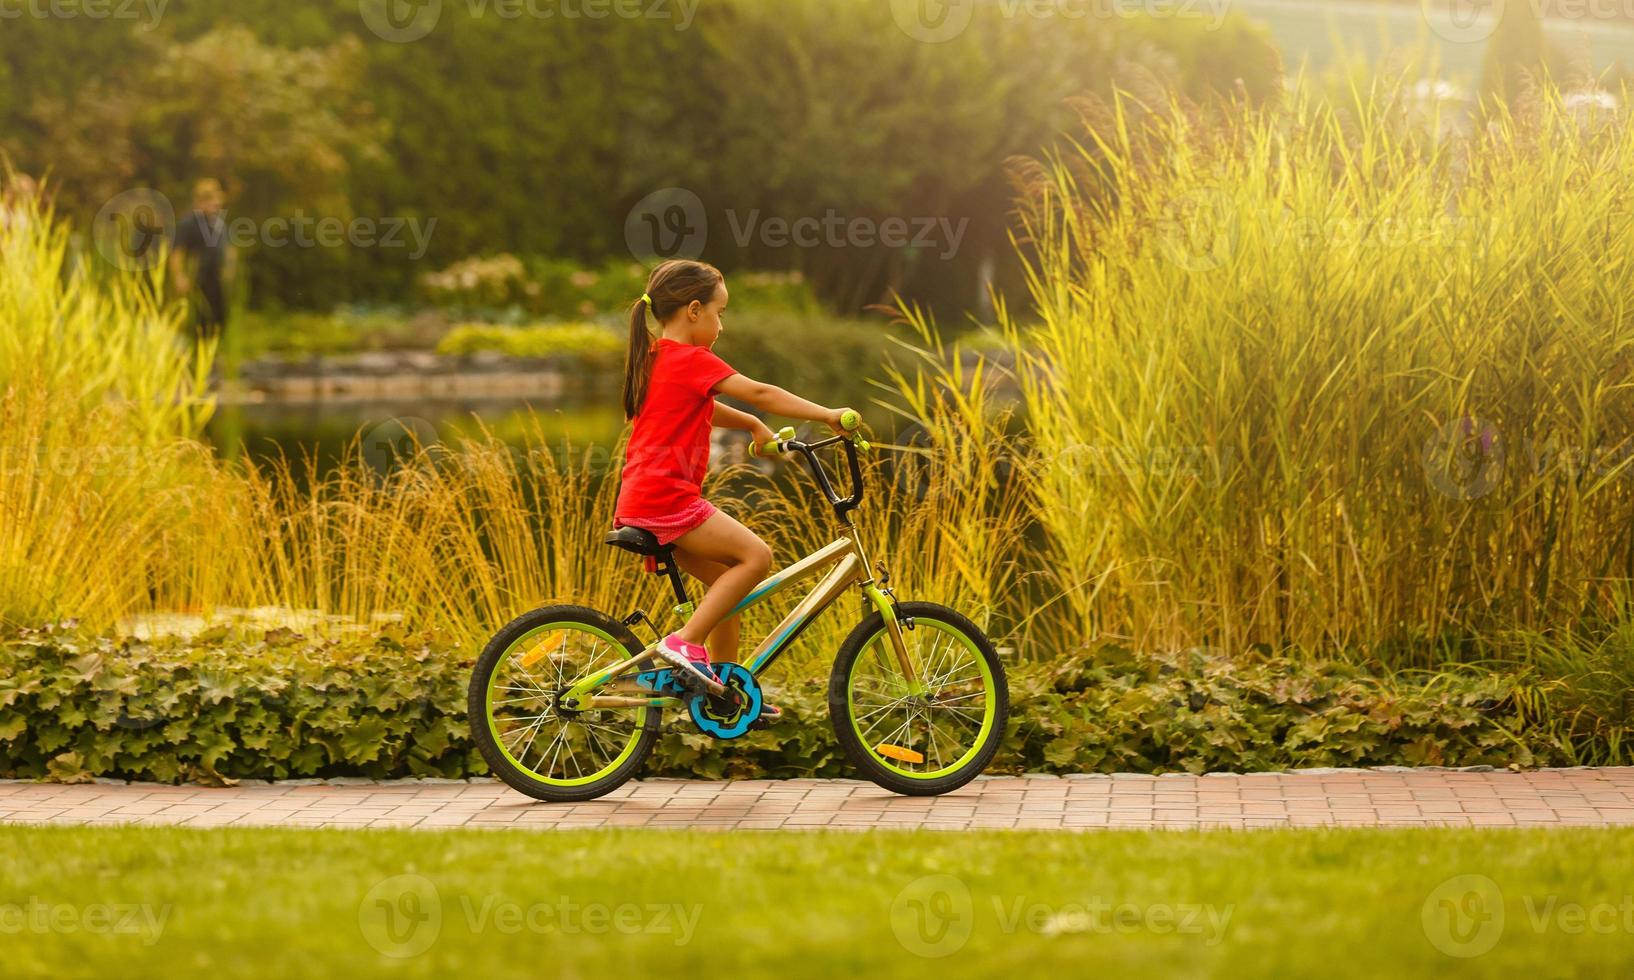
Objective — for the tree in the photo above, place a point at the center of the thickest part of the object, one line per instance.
(279, 128)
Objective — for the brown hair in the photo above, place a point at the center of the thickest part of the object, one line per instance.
(672, 286)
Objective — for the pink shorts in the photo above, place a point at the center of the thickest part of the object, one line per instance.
(671, 526)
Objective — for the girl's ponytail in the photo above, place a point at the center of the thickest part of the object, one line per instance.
(638, 360)
(671, 287)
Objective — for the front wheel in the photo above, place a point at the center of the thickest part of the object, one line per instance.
(932, 735)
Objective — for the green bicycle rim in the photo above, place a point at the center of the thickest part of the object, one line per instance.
(499, 742)
(989, 713)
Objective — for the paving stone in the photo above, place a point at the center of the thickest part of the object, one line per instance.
(1176, 801)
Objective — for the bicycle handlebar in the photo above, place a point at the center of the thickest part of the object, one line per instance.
(784, 442)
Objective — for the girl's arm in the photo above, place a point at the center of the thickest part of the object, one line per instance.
(771, 398)
(727, 417)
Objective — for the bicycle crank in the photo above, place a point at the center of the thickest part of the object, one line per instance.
(730, 714)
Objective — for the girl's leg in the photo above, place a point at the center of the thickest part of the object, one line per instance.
(723, 639)
(746, 558)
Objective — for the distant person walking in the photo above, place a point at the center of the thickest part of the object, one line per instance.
(19, 201)
(200, 260)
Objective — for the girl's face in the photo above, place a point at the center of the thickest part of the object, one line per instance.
(700, 323)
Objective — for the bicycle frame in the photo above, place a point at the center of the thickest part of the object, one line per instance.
(846, 560)
(846, 564)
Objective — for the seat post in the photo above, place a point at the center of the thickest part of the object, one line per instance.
(666, 564)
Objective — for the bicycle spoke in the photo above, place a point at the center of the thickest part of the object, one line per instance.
(523, 755)
(943, 723)
(529, 728)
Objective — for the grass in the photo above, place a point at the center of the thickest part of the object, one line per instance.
(1273, 903)
(99, 398)
(1331, 378)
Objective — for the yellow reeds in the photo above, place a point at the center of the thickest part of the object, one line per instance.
(1310, 380)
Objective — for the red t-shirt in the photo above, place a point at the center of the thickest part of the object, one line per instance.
(668, 453)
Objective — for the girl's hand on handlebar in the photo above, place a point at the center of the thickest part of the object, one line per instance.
(761, 434)
(837, 419)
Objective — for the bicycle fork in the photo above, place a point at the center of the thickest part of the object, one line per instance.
(883, 601)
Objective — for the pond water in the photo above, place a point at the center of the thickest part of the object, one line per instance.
(585, 419)
(321, 430)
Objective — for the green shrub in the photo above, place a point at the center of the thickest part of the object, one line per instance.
(275, 704)
(497, 287)
(583, 341)
(346, 330)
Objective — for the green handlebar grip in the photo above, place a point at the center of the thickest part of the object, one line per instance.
(863, 445)
(783, 435)
(849, 420)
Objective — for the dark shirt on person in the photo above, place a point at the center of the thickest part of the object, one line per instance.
(203, 238)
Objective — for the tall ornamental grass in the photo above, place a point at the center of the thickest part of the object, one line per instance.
(111, 508)
(99, 399)
(1329, 376)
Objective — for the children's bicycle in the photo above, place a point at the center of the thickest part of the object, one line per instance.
(566, 702)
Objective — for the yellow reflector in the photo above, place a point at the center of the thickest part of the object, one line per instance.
(899, 753)
(540, 652)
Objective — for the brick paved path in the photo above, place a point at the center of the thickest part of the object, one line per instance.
(1350, 798)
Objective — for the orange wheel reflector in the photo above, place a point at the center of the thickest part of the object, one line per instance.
(899, 753)
(541, 651)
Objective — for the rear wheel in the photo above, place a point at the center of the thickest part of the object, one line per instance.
(929, 738)
(528, 740)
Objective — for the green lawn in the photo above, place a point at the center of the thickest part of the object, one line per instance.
(146, 901)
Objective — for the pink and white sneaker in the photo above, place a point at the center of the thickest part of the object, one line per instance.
(691, 662)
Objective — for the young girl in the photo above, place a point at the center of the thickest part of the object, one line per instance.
(669, 386)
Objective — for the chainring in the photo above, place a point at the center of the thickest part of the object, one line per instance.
(729, 715)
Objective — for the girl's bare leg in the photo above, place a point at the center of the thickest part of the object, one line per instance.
(746, 558)
(723, 640)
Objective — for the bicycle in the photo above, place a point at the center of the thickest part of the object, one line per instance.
(567, 702)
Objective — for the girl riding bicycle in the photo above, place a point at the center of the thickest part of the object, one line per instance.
(567, 704)
(669, 386)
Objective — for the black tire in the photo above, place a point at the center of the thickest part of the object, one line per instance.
(499, 761)
(857, 750)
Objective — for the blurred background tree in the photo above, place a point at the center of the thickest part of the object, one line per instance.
(536, 138)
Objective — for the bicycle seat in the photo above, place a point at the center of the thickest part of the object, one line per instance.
(639, 541)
